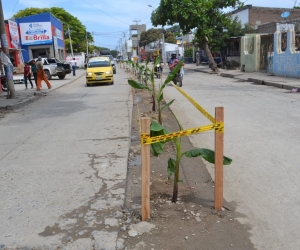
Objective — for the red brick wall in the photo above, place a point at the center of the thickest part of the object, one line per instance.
(262, 15)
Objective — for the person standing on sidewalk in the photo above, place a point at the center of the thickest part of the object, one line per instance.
(27, 75)
(197, 58)
(74, 63)
(34, 71)
(41, 74)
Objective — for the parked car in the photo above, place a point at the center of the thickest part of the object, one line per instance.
(111, 58)
(54, 67)
(99, 70)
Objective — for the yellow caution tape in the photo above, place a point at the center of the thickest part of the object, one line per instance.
(146, 139)
(202, 110)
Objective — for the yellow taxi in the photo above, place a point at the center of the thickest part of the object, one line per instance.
(99, 70)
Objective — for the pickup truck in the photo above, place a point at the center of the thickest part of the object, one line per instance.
(54, 67)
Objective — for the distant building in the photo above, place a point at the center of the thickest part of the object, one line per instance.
(135, 35)
(255, 16)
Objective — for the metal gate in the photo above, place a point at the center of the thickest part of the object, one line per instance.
(266, 51)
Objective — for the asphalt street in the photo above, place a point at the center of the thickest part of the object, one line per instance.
(63, 168)
(262, 137)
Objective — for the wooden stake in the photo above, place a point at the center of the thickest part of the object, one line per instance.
(145, 171)
(219, 153)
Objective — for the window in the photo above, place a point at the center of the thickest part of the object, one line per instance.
(95, 64)
(51, 61)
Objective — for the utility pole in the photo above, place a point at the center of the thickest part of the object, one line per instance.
(121, 46)
(163, 45)
(87, 49)
(70, 41)
(8, 67)
(87, 44)
(125, 46)
(93, 34)
(136, 21)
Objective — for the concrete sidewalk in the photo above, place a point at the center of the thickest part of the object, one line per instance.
(255, 77)
(25, 96)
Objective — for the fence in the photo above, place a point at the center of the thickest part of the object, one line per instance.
(146, 140)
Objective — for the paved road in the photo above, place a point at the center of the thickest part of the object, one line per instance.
(262, 136)
(63, 168)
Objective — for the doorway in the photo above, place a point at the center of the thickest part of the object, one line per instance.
(40, 52)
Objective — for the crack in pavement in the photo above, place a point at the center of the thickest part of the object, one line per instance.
(98, 219)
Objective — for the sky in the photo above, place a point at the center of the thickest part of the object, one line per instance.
(110, 19)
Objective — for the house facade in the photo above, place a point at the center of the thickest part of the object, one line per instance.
(272, 53)
(41, 35)
(255, 15)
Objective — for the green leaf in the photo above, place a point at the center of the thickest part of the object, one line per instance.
(171, 167)
(157, 148)
(157, 60)
(168, 104)
(160, 97)
(155, 126)
(181, 181)
(227, 160)
(207, 154)
(136, 85)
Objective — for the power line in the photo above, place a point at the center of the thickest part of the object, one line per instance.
(14, 8)
(104, 12)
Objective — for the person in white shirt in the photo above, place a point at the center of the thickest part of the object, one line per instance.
(74, 63)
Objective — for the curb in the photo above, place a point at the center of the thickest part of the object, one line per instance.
(272, 84)
(202, 70)
(282, 86)
(227, 75)
(257, 81)
(262, 82)
(21, 103)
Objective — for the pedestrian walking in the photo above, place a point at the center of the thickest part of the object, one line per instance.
(27, 75)
(34, 71)
(74, 64)
(41, 74)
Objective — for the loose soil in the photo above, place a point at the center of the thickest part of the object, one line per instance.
(191, 223)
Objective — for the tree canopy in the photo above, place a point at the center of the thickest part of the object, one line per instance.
(149, 36)
(202, 15)
(170, 37)
(153, 35)
(222, 33)
(114, 53)
(78, 31)
(175, 29)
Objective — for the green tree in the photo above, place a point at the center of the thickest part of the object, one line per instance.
(114, 53)
(170, 37)
(149, 36)
(248, 29)
(222, 33)
(153, 35)
(77, 29)
(201, 15)
(175, 29)
(188, 52)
